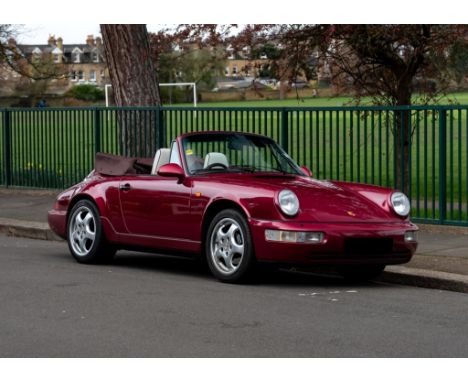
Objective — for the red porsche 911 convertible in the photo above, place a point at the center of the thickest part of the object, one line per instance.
(238, 200)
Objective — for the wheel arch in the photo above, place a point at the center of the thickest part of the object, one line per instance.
(214, 208)
(79, 198)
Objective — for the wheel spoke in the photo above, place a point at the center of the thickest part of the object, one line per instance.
(82, 245)
(218, 253)
(233, 228)
(75, 236)
(220, 234)
(79, 219)
(88, 217)
(228, 261)
(89, 235)
(237, 248)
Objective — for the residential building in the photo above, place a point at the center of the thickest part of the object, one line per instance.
(73, 63)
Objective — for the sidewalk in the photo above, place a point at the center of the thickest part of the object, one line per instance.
(440, 262)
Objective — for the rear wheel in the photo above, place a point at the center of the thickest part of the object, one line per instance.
(361, 272)
(85, 235)
(229, 248)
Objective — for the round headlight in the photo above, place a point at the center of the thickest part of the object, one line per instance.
(288, 202)
(400, 203)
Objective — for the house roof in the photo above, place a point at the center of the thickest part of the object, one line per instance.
(67, 50)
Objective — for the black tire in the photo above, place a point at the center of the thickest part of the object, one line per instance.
(240, 267)
(360, 272)
(84, 249)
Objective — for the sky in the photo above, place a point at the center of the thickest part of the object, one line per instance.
(71, 33)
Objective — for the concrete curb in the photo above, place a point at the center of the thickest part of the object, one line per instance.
(425, 278)
(31, 230)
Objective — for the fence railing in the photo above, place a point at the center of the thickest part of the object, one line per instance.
(55, 148)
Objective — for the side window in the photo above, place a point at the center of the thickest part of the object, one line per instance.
(175, 158)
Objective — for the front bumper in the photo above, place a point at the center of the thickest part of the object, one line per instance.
(335, 247)
(57, 220)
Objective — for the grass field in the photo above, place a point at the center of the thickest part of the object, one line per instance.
(461, 98)
(55, 149)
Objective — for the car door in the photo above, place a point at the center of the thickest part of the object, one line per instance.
(156, 206)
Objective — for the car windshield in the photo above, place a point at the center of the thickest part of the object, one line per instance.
(231, 152)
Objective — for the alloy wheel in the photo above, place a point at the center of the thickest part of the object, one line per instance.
(227, 246)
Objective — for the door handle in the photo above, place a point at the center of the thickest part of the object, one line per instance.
(125, 187)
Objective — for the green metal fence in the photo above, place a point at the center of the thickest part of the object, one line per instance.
(54, 148)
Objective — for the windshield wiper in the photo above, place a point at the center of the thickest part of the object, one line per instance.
(247, 168)
(208, 171)
(250, 168)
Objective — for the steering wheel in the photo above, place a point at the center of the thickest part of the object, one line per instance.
(212, 165)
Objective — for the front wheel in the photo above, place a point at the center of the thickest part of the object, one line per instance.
(229, 248)
(360, 272)
(85, 235)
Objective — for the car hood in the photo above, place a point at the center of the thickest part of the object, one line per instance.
(325, 201)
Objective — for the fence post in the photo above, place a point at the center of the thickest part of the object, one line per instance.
(442, 165)
(160, 127)
(284, 129)
(7, 146)
(97, 130)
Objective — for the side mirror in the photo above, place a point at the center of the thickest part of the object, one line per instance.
(172, 170)
(306, 171)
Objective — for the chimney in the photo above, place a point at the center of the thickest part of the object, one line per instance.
(60, 43)
(51, 40)
(90, 40)
(11, 41)
(98, 42)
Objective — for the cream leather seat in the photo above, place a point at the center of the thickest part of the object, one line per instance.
(214, 157)
(160, 158)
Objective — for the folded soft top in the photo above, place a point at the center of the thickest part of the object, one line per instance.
(116, 165)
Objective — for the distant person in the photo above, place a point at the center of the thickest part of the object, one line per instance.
(42, 103)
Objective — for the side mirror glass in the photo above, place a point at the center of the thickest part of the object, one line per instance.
(172, 170)
(307, 171)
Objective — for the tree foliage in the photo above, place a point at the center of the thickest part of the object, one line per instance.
(179, 60)
(36, 68)
(381, 61)
(87, 92)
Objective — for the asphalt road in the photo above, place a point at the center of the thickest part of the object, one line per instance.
(150, 306)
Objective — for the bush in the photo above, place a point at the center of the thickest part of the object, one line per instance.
(88, 93)
(175, 95)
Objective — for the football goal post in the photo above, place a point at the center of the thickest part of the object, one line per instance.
(179, 84)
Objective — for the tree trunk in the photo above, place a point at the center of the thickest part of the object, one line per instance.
(283, 88)
(134, 82)
(402, 132)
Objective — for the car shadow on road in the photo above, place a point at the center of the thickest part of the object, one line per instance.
(267, 276)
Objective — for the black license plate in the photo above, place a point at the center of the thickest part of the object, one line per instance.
(368, 246)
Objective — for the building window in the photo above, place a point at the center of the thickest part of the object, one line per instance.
(226, 70)
(56, 58)
(76, 57)
(80, 76)
(95, 56)
(234, 69)
(73, 76)
(92, 76)
(36, 54)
